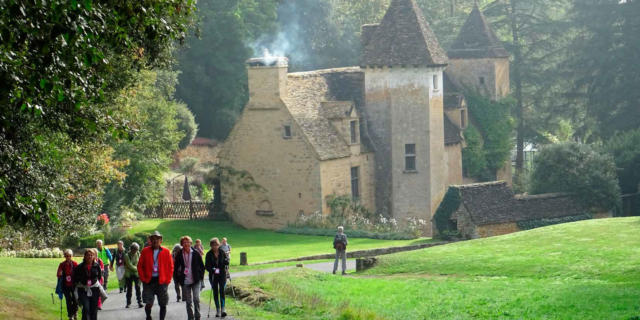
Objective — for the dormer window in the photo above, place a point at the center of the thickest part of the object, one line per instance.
(286, 131)
(435, 83)
(353, 126)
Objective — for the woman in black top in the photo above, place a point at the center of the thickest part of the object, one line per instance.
(216, 262)
(86, 278)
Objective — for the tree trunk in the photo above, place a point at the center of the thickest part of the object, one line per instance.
(517, 78)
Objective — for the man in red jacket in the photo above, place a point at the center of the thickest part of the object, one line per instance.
(155, 269)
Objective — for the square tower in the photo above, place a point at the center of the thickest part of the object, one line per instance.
(403, 65)
(478, 60)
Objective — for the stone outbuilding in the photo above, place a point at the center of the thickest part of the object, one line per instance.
(490, 209)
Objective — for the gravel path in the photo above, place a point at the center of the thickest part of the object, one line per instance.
(114, 307)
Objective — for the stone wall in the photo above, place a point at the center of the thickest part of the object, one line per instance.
(335, 176)
(453, 160)
(491, 230)
(287, 170)
(494, 73)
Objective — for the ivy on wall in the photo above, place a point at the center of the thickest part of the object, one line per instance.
(450, 203)
(488, 136)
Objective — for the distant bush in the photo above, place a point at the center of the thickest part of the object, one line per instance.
(579, 170)
(33, 253)
(187, 124)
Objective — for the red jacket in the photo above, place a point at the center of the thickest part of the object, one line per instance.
(65, 270)
(165, 265)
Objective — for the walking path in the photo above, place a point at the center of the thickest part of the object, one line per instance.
(114, 307)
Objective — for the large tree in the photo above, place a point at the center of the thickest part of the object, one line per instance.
(62, 63)
(604, 60)
(213, 79)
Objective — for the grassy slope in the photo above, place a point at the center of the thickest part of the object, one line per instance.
(260, 245)
(583, 270)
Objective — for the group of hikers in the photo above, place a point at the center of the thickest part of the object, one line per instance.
(83, 285)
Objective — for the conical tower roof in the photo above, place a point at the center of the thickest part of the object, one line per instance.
(403, 38)
(477, 39)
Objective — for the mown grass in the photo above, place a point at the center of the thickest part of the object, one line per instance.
(582, 270)
(260, 245)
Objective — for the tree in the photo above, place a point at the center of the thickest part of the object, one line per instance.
(580, 170)
(604, 60)
(625, 150)
(148, 153)
(536, 35)
(62, 63)
(213, 79)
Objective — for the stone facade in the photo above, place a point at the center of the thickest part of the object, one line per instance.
(489, 76)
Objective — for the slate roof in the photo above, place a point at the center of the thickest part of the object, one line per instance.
(494, 202)
(452, 134)
(306, 92)
(477, 40)
(402, 38)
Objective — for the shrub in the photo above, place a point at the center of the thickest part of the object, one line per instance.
(625, 149)
(33, 253)
(579, 170)
(186, 124)
(90, 241)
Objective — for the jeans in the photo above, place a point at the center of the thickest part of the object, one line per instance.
(191, 295)
(340, 254)
(218, 284)
(177, 287)
(89, 304)
(72, 304)
(130, 281)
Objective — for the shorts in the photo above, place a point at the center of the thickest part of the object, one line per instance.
(152, 289)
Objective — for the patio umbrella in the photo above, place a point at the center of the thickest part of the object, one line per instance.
(186, 193)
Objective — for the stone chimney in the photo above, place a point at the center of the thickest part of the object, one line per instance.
(267, 80)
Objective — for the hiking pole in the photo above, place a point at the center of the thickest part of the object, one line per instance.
(60, 309)
(210, 295)
(52, 301)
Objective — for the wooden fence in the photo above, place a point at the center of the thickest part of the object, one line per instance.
(631, 204)
(180, 210)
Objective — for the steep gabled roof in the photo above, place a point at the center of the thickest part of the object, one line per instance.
(477, 40)
(306, 93)
(403, 38)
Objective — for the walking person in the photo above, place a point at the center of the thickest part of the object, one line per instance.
(155, 269)
(198, 247)
(189, 273)
(118, 260)
(86, 277)
(65, 273)
(340, 244)
(131, 273)
(104, 254)
(216, 263)
(102, 268)
(174, 254)
(226, 247)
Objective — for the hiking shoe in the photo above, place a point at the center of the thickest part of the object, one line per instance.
(128, 305)
(140, 305)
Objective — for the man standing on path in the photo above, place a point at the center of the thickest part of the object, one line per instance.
(118, 260)
(131, 274)
(340, 244)
(104, 254)
(155, 269)
(189, 273)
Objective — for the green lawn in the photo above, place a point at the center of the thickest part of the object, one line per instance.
(583, 270)
(260, 245)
